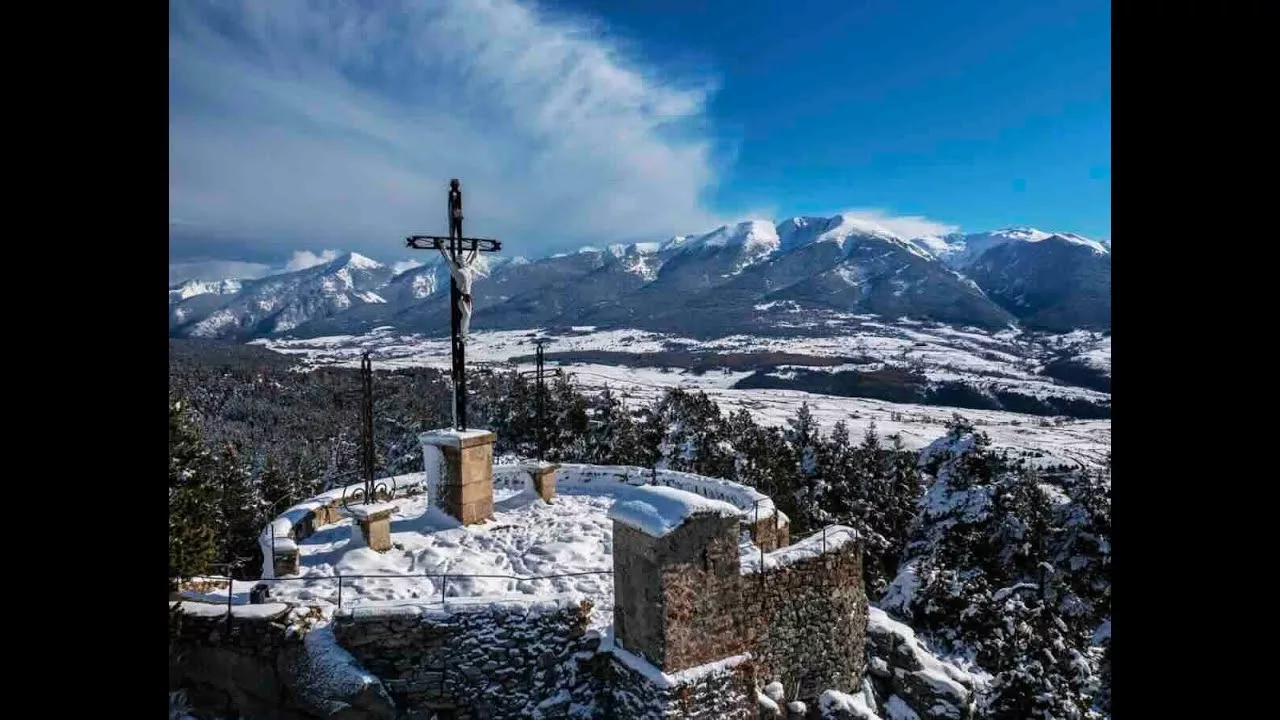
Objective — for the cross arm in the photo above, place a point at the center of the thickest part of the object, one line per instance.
(440, 242)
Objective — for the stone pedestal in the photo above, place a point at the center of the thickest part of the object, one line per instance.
(459, 469)
(285, 557)
(544, 478)
(374, 522)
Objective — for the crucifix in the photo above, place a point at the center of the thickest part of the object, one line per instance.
(460, 255)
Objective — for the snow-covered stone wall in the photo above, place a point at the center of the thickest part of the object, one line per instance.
(495, 659)
(810, 621)
(722, 690)
(263, 666)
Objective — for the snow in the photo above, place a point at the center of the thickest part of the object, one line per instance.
(898, 709)
(365, 511)
(657, 511)
(327, 670)
(208, 610)
(360, 262)
(829, 539)
(1103, 633)
(675, 679)
(452, 437)
(947, 678)
(433, 556)
(748, 233)
(1003, 361)
(833, 701)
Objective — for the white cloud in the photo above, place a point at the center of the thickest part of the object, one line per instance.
(303, 259)
(406, 265)
(341, 123)
(907, 226)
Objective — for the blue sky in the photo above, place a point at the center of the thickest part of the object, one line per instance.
(319, 125)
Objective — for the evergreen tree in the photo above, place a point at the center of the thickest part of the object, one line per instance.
(241, 511)
(567, 436)
(810, 486)
(613, 438)
(192, 496)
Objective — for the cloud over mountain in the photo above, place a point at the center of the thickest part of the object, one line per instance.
(338, 124)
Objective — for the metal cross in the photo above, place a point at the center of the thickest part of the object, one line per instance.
(456, 245)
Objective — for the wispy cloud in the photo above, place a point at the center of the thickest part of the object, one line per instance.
(907, 226)
(405, 266)
(338, 124)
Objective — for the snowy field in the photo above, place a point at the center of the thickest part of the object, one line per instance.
(941, 352)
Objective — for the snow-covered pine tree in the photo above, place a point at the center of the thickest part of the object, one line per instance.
(613, 438)
(192, 497)
(567, 410)
(241, 512)
(802, 434)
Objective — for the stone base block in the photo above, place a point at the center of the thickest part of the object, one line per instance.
(465, 482)
(374, 522)
(544, 480)
(286, 562)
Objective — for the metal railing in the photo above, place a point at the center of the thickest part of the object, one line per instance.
(442, 579)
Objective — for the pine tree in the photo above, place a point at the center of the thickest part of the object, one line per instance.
(192, 497)
(613, 438)
(567, 436)
(802, 435)
(241, 512)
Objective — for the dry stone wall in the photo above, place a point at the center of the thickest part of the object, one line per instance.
(257, 665)
(479, 660)
(810, 622)
(721, 693)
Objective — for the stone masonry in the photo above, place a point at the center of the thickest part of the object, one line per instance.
(720, 694)
(671, 592)
(810, 623)
(683, 601)
(478, 660)
(466, 483)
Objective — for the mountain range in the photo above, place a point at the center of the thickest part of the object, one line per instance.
(803, 275)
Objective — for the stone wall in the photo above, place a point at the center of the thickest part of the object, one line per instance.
(480, 659)
(636, 691)
(675, 594)
(258, 665)
(810, 622)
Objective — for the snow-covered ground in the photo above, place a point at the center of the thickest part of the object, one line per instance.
(527, 537)
(1002, 359)
(434, 558)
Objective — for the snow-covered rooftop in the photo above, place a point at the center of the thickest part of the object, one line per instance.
(657, 510)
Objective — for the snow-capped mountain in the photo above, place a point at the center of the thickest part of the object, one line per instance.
(1059, 282)
(280, 303)
(961, 250)
(192, 288)
(735, 278)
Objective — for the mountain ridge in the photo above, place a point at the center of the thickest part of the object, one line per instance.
(830, 268)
